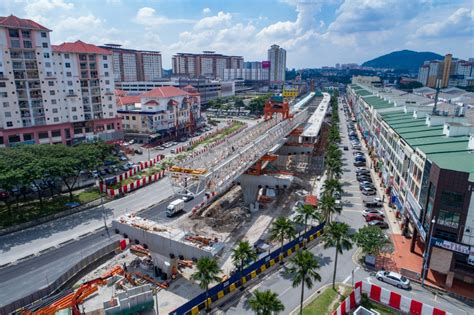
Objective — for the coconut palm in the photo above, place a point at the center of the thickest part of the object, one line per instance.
(327, 207)
(336, 234)
(331, 186)
(282, 228)
(242, 254)
(207, 272)
(303, 268)
(306, 213)
(265, 303)
(334, 167)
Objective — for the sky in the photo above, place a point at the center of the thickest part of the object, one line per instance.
(314, 32)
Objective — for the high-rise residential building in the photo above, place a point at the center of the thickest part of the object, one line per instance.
(423, 74)
(252, 71)
(277, 58)
(208, 64)
(446, 70)
(435, 73)
(53, 94)
(132, 65)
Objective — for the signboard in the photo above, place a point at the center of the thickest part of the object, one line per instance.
(414, 219)
(454, 247)
(265, 64)
(470, 260)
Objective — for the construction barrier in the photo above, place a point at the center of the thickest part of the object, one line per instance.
(238, 279)
(386, 297)
(134, 185)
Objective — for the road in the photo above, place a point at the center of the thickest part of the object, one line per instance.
(281, 283)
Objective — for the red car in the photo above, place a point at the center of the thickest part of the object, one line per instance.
(373, 217)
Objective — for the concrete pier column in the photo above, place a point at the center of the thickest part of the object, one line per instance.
(282, 160)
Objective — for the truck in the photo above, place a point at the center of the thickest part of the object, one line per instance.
(174, 207)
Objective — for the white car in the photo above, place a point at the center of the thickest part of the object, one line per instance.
(393, 278)
(365, 212)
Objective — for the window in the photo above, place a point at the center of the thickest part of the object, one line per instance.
(27, 136)
(44, 35)
(14, 33)
(56, 119)
(3, 94)
(53, 101)
(451, 199)
(47, 64)
(67, 65)
(49, 74)
(106, 66)
(104, 57)
(106, 74)
(52, 93)
(15, 43)
(74, 117)
(27, 44)
(110, 106)
(68, 74)
(69, 83)
(46, 55)
(107, 81)
(45, 45)
(71, 92)
(3, 84)
(43, 135)
(66, 56)
(111, 114)
(9, 124)
(6, 104)
(56, 133)
(449, 218)
(134, 118)
(8, 114)
(55, 110)
(51, 83)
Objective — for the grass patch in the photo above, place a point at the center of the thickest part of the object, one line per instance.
(31, 209)
(327, 301)
(143, 173)
(383, 310)
(224, 133)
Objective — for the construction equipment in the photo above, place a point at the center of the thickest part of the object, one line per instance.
(74, 299)
(177, 169)
(257, 168)
(276, 104)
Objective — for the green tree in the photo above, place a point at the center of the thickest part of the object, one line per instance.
(334, 168)
(336, 234)
(371, 240)
(265, 303)
(331, 186)
(306, 213)
(206, 273)
(303, 268)
(282, 228)
(243, 253)
(327, 207)
(239, 103)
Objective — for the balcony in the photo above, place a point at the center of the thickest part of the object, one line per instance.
(25, 114)
(87, 116)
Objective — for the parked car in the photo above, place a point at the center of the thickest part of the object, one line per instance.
(188, 197)
(95, 174)
(139, 152)
(346, 148)
(123, 158)
(124, 167)
(359, 163)
(359, 158)
(364, 178)
(362, 172)
(378, 223)
(368, 191)
(373, 217)
(366, 212)
(393, 278)
(374, 202)
(159, 148)
(356, 146)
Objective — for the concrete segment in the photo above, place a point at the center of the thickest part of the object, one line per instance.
(251, 183)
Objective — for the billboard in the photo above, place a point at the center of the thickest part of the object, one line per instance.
(265, 64)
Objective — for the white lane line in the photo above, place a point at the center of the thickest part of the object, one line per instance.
(347, 279)
(286, 290)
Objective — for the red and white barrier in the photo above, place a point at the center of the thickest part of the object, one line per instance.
(134, 185)
(350, 303)
(388, 298)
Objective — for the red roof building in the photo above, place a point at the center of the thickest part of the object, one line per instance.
(12, 21)
(127, 100)
(165, 91)
(80, 47)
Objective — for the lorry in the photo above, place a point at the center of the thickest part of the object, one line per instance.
(174, 207)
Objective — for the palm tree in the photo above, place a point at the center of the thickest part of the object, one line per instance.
(265, 303)
(334, 167)
(282, 228)
(327, 206)
(306, 213)
(243, 253)
(303, 269)
(337, 235)
(331, 186)
(207, 272)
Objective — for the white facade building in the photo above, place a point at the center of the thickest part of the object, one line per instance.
(277, 58)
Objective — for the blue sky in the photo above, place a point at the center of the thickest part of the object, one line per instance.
(314, 32)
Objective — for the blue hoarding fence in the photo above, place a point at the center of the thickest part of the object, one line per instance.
(220, 290)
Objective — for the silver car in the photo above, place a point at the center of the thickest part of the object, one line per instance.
(393, 278)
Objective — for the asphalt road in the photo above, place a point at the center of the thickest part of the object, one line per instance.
(280, 282)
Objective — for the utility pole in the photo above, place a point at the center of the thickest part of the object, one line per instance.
(427, 253)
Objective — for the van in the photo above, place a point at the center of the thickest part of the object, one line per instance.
(174, 207)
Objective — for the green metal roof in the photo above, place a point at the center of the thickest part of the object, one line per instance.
(377, 102)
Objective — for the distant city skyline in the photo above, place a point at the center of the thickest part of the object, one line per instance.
(313, 32)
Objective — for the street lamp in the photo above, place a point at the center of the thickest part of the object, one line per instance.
(427, 253)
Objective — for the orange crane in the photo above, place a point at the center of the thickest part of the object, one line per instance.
(257, 168)
(74, 299)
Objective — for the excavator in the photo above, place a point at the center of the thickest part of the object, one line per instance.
(74, 299)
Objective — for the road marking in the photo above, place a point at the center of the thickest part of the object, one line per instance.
(286, 290)
(347, 279)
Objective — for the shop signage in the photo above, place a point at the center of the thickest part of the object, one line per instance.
(470, 260)
(417, 223)
(454, 247)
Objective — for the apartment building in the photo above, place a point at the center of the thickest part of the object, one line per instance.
(42, 88)
(277, 59)
(448, 72)
(208, 64)
(132, 65)
(163, 112)
(424, 158)
(252, 71)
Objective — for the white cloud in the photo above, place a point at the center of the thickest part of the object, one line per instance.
(147, 16)
(206, 10)
(461, 22)
(220, 20)
(38, 7)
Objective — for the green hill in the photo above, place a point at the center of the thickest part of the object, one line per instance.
(402, 60)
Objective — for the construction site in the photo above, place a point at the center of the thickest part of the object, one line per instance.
(241, 196)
